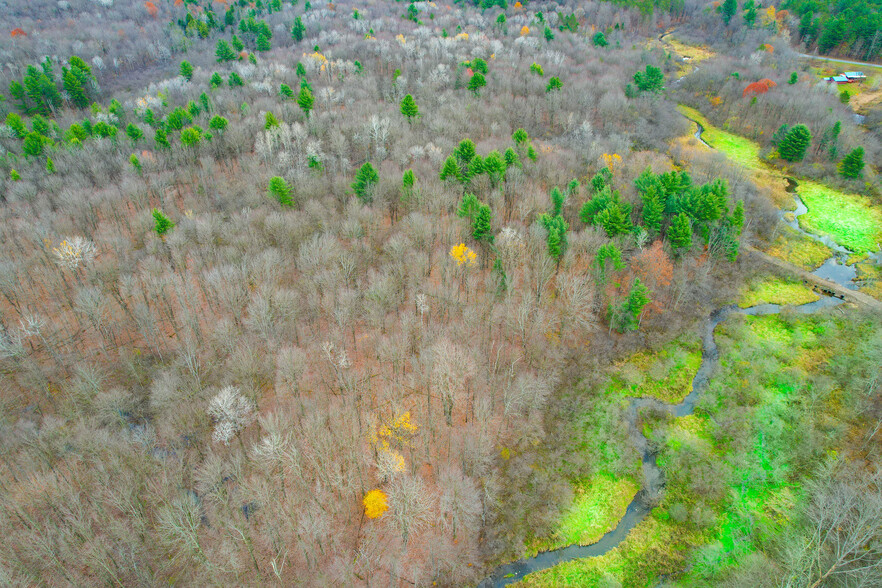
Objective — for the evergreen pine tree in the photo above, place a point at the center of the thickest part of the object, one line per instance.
(298, 29)
(161, 139)
(608, 258)
(476, 83)
(161, 223)
(186, 70)
(727, 9)
(749, 13)
(557, 234)
(15, 122)
(615, 219)
(852, 165)
(365, 180)
(409, 108)
(224, 52)
(797, 140)
(40, 125)
(680, 233)
(281, 191)
(494, 166)
(17, 91)
(650, 80)
(218, 123)
(627, 316)
(305, 101)
(33, 144)
(134, 133)
(468, 207)
(738, 216)
(557, 201)
(512, 159)
(407, 182)
(216, 81)
(653, 211)
(482, 225)
(450, 170)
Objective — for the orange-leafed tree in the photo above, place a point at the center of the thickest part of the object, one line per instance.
(151, 9)
(375, 504)
(759, 87)
(654, 268)
(17, 32)
(525, 30)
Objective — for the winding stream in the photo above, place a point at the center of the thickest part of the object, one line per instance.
(833, 269)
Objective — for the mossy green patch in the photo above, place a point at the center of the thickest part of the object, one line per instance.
(855, 258)
(666, 375)
(874, 289)
(688, 431)
(776, 290)
(868, 270)
(870, 275)
(799, 249)
(736, 147)
(656, 547)
(598, 505)
(771, 329)
(849, 219)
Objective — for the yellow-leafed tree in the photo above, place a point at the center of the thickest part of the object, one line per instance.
(375, 504)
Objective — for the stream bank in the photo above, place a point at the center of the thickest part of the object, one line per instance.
(834, 269)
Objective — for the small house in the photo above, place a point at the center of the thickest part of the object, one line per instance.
(840, 79)
(855, 76)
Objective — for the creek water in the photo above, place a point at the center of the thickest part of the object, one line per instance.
(833, 269)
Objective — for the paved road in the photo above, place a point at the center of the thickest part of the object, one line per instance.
(841, 291)
(806, 55)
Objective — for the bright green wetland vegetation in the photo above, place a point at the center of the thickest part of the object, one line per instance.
(665, 375)
(849, 219)
(776, 290)
(737, 470)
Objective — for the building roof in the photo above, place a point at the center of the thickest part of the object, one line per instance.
(854, 74)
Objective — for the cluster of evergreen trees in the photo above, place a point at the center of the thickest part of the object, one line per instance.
(854, 27)
(793, 143)
(39, 93)
(208, 20)
(464, 163)
(672, 206)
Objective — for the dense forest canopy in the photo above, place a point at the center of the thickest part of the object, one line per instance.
(396, 293)
(844, 27)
